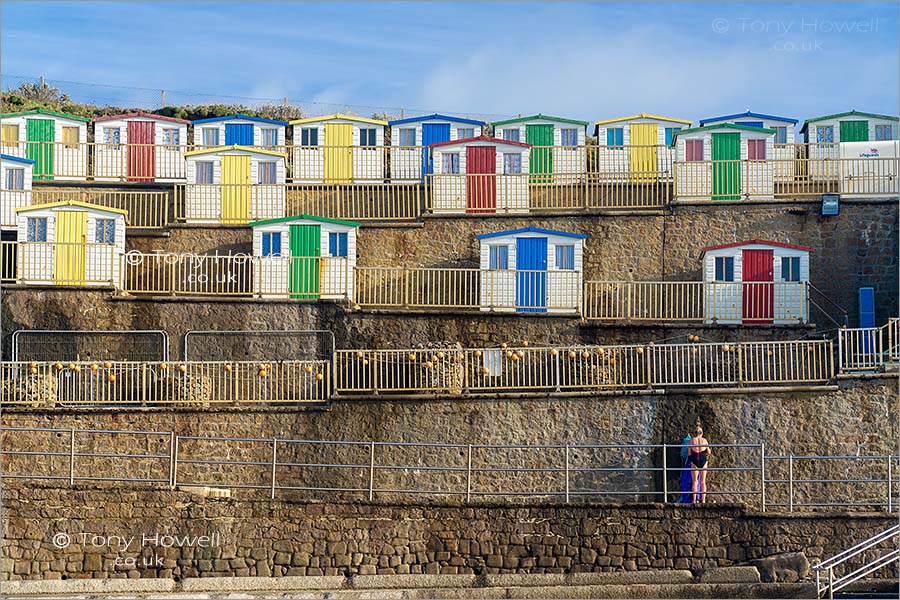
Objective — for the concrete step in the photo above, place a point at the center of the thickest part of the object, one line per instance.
(730, 582)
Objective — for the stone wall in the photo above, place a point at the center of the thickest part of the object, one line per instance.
(52, 532)
(858, 418)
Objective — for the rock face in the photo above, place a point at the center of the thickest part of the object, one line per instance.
(787, 567)
(178, 534)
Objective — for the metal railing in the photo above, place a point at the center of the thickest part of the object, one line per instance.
(468, 289)
(117, 383)
(869, 349)
(239, 204)
(59, 264)
(446, 370)
(711, 302)
(237, 275)
(10, 200)
(834, 584)
(467, 472)
(451, 370)
(145, 210)
(736, 180)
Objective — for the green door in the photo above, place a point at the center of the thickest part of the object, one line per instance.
(40, 137)
(726, 157)
(854, 131)
(541, 158)
(305, 253)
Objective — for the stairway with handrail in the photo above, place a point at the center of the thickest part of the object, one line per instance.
(826, 568)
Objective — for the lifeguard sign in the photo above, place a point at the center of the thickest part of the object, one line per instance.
(869, 168)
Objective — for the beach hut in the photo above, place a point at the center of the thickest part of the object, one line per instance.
(852, 126)
(234, 184)
(140, 147)
(239, 130)
(15, 187)
(69, 243)
(783, 126)
(557, 144)
(531, 270)
(338, 149)
(410, 138)
(724, 162)
(56, 142)
(636, 147)
(305, 257)
(479, 176)
(756, 282)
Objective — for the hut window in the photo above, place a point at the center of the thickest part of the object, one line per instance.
(10, 135)
(450, 163)
(693, 150)
(309, 136)
(512, 163)
(337, 244)
(883, 133)
(493, 363)
(204, 172)
(756, 149)
(825, 134)
(106, 231)
(210, 136)
(266, 172)
(37, 229)
(511, 135)
(724, 268)
(269, 137)
(271, 243)
(464, 133)
(790, 268)
(670, 134)
(171, 137)
(568, 137)
(367, 137)
(614, 136)
(70, 137)
(565, 257)
(498, 258)
(111, 136)
(15, 179)
(407, 137)
(780, 135)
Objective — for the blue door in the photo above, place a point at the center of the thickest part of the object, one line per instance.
(751, 124)
(867, 317)
(432, 133)
(239, 133)
(531, 288)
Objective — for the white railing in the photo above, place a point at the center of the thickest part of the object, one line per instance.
(869, 349)
(826, 568)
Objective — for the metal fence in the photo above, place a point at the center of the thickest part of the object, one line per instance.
(395, 470)
(711, 302)
(145, 209)
(869, 349)
(447, 370)
(459, 370)
(241, 275)
(66, 345)
(118, 383)
(59, 264)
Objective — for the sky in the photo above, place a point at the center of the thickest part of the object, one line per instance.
(579, 60)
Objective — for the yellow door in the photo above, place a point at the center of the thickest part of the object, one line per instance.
(642, 151)
(235, 189)
(68, 259)
(338, 152)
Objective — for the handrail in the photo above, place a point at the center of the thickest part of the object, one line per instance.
(829, 564)
(829, 301)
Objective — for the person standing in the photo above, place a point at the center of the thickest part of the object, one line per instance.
(699, 454)
(687, 497)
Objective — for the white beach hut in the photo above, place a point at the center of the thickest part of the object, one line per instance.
(338, 149)
(531, 270)
(15, 188)
(140, 147)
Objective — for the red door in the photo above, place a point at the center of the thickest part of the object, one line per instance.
(481, 186)
(758, 298)
(140, 155)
